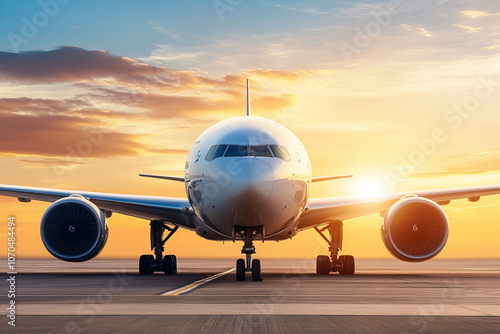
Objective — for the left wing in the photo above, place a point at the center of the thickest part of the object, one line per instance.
(175, 210)
(322, 210)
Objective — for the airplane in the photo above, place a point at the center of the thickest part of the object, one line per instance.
(247, 178)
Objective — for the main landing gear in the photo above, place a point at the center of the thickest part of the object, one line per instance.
(248, 234)
(148, 264)
(344, 264)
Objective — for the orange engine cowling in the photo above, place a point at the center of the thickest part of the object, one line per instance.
(414, 229)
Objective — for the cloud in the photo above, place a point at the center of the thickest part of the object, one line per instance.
(419, 30)
(59, 128)
(163, 106)
(466, 164)
(469, 29)
(29, 105)
(476, 13)
(306, 10)
(63, 135)
(492, 47)
(116, 99)
(69, 64)
(282, 75)
(97, 67)
(170, 151)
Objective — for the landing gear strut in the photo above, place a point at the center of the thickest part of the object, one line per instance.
(248, 234)
(344, 264)
(148, 264)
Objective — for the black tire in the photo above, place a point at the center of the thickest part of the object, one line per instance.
(347, 262)
(145, 264)
(240, 270)
(323, 265)
(168, 263)
(256, 270)
(174, 264)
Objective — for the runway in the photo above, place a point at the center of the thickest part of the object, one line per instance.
(390, 296)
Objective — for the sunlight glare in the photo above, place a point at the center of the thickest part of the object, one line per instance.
(369, 185)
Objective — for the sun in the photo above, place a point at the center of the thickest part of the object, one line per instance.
(369, 185)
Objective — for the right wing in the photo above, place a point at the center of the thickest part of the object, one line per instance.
(322, 210)
(174, 210)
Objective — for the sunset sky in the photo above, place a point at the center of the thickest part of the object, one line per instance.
(405, 95)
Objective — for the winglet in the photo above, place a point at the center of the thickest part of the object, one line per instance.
(248, 97)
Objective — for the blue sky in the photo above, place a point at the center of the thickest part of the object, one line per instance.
(140, 29)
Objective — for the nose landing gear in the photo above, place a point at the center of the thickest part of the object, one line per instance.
(248, 235)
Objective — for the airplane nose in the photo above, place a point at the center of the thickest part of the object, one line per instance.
(250, 180)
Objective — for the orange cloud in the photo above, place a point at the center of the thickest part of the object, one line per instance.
(476, 13)
(38, 130)
(53, 128)
(283, 75)
(163, 106)
(68, 64)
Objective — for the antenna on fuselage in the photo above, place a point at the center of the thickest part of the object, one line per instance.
(248, 97)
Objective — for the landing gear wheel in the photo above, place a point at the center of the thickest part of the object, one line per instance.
(240, 270)
(256, 270)
(169, 264)
(323, 266)
(174, 265)
(148, 264)
(347, 262)
(145, 262)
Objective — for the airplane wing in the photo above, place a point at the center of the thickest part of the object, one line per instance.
(322, 210)
(175, 210)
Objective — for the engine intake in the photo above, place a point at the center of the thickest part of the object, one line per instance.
(74, 229)
(415, 229)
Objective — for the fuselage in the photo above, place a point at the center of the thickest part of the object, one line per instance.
(248, 171)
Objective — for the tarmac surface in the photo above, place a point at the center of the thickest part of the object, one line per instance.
(385, 296)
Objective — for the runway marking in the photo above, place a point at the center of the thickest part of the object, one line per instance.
(196, 284)
(416, 310)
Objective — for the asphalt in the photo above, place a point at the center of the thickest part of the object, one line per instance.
(385, 296)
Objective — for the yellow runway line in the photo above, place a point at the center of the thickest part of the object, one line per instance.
(196, 284)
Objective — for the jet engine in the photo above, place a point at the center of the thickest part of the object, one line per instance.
(74, 229)
(414, 229)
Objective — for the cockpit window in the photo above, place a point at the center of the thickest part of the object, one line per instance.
(236, 151)
(285, 153)
(210, 153)
(269, 151)
(277, 152)
(219, 152)
(260, 151)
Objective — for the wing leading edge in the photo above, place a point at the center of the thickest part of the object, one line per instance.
(321, 210)
(175, 210)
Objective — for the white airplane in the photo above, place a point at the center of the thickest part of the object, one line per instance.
(247, 178)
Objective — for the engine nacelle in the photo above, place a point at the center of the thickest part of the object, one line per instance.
(74, 229)
(415, 229)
